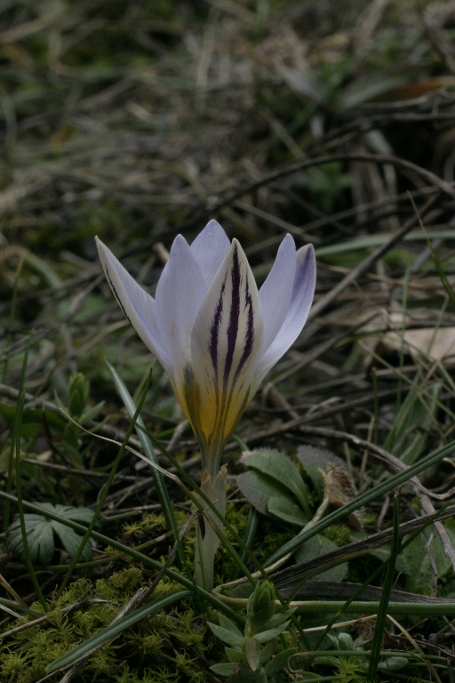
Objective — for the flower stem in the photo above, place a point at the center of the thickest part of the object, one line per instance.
(207, 541)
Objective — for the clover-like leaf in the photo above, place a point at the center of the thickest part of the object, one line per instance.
(258, 489)
(279, 467)
(41, 532)
(274, 486)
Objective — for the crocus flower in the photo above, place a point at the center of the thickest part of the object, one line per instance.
(214, 332)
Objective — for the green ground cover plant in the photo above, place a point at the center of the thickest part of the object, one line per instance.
(137, 122)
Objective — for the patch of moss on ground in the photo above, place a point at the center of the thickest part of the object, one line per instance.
(165, 646)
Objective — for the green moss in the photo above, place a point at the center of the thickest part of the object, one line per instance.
(162, 647)
(151, 522)
(119, 585)
(338, 534)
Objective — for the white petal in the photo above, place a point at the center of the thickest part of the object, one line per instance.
(275, 294)
(301, 300)
(225, 347)
(136, 304)
(210, 248)
(179, 294)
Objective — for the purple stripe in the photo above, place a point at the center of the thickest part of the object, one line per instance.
(233, 326)
(249, 332)
(215, 330)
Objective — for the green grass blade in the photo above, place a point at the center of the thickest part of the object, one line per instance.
(412, 383)
(9, 480)
(404, 307)
(149, 452)
(360, 243)
(11, 317)
(9, 474)
(385, 596)
(442, 275)
(17, 444)
(249, 535)
(372, 607)
(252, 521)
(17, 430)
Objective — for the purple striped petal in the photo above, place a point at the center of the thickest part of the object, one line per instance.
(137, 306)
(297, 313)
(275, 294)
(225, 346)
(210, 248)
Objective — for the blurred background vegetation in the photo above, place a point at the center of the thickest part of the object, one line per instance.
(136, 121)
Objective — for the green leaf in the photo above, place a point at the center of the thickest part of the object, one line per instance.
(267, 651)
(314, 459)
(394, 663)
(33, 420)
(234, 655)
(40, 540)
(78, 394)
(40, 533)
(91, 413)
(260, 607)
(265, 636)
(278, 466)
(279, 617)
(285, 509)
(328, 660)
(226, 635)
(224, 669)
(345, 642)
(252, 649)
(226, 623)
(315, 546)
(257, 488)
(415, 562)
